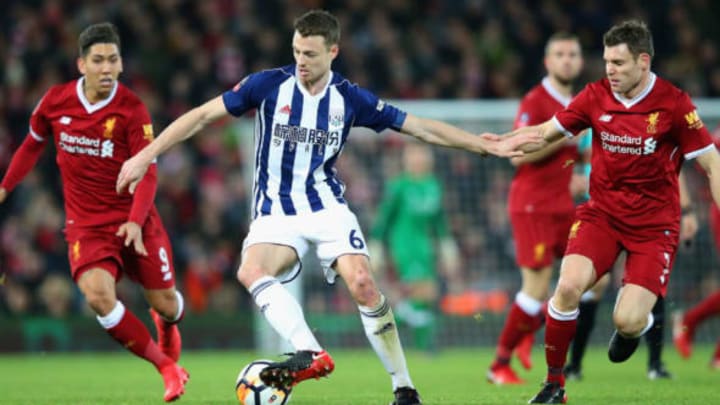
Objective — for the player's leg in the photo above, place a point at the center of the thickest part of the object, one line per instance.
(521, 321)
(577, 274)
(273, 247)
(419, 308)
(261, 263)
(648, 267)
(98, 286)
(632, 317)
(415, 268)
(592, 248)
(167, 310)
(536, 238)
(589, 302)
(379, 323)
(156, 273)
(684, 325)
(655, 341)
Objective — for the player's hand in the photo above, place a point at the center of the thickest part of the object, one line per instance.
(510, 146)
(3, 194)
(688, 227)
(131, 173)
(132, 232)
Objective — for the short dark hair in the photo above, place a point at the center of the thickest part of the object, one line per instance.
(101, 33)
(635, 34)
(561, 36)
(319, 22)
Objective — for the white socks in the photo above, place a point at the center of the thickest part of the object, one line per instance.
(113, 318)
(528, 304)
(562, 316)
(283, 313)
(381, 331)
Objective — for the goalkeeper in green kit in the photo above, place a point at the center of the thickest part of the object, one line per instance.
(412, 222)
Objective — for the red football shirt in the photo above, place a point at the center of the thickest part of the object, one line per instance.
(92, 141)
(543, 186)
(638, 148)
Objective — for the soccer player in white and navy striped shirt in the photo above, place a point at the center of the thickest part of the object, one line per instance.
(304, 114)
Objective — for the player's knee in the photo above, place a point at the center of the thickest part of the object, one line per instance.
(165, 303)
(567, 293)
(247, 275)
(363, 289)
(100, 300)
(629, 324)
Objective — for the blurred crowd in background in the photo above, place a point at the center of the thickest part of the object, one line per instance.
(179, 53)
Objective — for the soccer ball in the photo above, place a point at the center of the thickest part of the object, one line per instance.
(251, 390)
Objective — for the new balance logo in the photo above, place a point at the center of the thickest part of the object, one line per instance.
(285, 110)
(605, 118)
(65, 120)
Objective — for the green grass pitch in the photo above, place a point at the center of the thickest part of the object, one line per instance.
(454, 376)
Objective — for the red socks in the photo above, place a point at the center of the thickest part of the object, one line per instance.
(517, 325)
(558, 335)
(134, 336)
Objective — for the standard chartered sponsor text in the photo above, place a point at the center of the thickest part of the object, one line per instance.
(83, 145)
(78, 140)
(623, 144)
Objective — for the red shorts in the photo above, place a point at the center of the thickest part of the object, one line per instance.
(99, 247)
(650, 254)
(539, 238)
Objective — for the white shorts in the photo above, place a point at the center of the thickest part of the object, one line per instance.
(334, 231)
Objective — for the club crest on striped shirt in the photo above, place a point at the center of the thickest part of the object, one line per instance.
(336, 118)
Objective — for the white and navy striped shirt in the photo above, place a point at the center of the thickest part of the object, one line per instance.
(299, 136)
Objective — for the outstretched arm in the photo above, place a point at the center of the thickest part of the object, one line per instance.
(22, 162)
(182, 128)
(710, 161)
(548, 134)
(440, 133)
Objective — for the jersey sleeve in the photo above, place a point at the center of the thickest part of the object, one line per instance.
(576, 116)
(374, 113)
(247, 94)
(140, 134)
(691, 134)
(139, 129)
(40, 128)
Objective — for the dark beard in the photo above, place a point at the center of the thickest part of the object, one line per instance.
(563, 82)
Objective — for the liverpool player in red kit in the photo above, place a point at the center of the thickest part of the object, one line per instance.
(96, 124)
(540, 205)
(644, 128)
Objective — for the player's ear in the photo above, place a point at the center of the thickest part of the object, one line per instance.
(81, 65)
(644, 59)
(334, 50)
